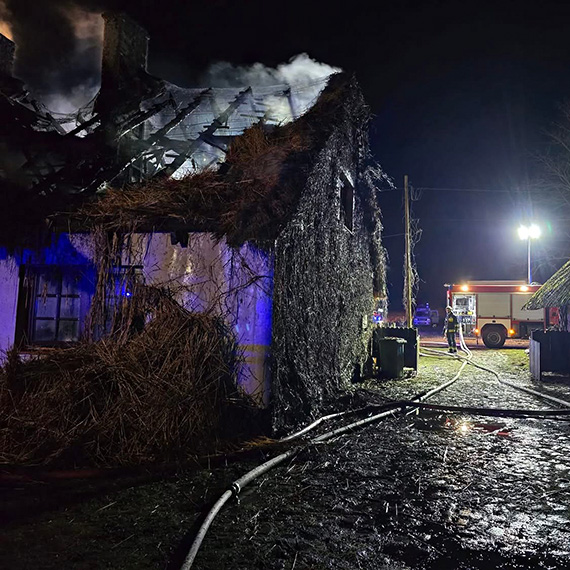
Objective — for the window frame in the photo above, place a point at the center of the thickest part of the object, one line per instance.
(27, 317)
(124, 277)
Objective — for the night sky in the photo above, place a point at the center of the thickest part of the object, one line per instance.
(462, 94)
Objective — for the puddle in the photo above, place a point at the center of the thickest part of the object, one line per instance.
(443, 422)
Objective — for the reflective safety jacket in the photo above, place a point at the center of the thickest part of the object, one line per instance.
(451, 323)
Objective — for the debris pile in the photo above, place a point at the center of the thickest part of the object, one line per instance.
(155, 395)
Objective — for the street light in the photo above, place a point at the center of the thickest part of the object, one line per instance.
(529, 233)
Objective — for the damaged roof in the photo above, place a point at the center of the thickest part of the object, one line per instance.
(253, 193)
(148, 155)
(138, 128)
(248, 196)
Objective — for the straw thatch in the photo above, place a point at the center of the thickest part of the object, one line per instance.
(323, 285)
(155, 395)
(554, 293)
(250, 198)
(247, 201)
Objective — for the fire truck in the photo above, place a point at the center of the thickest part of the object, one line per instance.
(493, 311)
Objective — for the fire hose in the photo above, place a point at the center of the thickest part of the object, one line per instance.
(468, 359)
(237, 485)
(407, 406)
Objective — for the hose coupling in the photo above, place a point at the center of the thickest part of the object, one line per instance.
(235, 489)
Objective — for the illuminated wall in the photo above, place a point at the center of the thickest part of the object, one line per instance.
(207, 275)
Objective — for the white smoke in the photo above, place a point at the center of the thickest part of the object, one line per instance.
(70, 102)
(304, 76)
(88, 28)
(301, 70)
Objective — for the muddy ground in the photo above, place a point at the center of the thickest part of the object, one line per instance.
(422, 491)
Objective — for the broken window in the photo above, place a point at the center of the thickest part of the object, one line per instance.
(346, 202)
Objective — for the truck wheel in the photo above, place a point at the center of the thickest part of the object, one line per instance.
(494, 337)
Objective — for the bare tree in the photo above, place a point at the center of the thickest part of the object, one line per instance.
(552, 186)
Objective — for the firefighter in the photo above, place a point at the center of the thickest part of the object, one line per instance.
(451, 326)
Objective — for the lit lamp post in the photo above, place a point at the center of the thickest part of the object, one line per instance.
(529, 233)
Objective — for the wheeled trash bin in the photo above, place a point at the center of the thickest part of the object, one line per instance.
(391, 356)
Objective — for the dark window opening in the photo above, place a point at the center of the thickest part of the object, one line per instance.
(346, 202)
(54, 302)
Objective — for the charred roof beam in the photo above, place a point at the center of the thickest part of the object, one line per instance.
(218, 122)
(111, 174)
(83, 126)
(136, 121)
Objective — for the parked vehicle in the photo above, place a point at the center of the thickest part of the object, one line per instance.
(493, 310)
(425, 317)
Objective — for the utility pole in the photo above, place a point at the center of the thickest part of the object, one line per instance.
(407, 255)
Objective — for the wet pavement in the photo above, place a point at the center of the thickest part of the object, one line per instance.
(428, 490)
(422, 491)
(433, 337)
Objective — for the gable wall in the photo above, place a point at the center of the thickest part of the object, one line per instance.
(323, 296)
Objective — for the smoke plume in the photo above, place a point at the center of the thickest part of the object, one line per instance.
(301, 70)
(58, 48)
(59, 45)
(305, 77)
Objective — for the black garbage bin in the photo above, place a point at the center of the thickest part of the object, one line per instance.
(391, 356)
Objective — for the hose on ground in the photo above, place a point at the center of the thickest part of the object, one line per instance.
(468, 359)
(234, 490)
(237, 485)
(395, 407)
(564, 403)
(314, 425)
(500, 412)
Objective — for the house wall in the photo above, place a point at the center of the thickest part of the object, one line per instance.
(323, 288)
(236, 284)
(205, 276)
(9, 283)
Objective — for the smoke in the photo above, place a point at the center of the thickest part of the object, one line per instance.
(59, 45)
(305, 77)
(300, 71)
(58, 48)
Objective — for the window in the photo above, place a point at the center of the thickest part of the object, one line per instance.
(346, 202)
(53, 304)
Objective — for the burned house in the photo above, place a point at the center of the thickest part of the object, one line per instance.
(253, 204)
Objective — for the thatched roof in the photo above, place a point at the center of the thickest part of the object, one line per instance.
(251, 196)
(554, 293)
